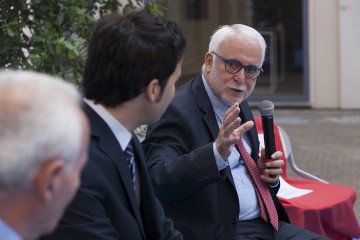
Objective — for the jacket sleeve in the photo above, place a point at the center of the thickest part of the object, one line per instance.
(167, 225)
(179, 164)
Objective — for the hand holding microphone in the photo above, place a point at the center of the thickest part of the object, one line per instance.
(266, 109)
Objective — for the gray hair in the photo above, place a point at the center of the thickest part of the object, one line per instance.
(226, 31)
(39, 120)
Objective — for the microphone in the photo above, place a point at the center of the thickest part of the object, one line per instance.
(266, 109)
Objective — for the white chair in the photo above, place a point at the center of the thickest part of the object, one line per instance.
(290, 158)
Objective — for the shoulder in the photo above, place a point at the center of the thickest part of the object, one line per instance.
(184, 93)
(191, 95)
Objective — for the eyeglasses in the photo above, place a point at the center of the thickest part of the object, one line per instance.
(233, 66)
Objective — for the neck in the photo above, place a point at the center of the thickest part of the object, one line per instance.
(16, 211)
(129, 114)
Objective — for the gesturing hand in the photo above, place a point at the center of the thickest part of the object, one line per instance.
(230, 131)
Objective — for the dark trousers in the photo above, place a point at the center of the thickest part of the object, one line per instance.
(258, 229)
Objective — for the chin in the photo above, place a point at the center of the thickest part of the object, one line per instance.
(231, 102)
(51, 227)
(240, 100)
(233, 99)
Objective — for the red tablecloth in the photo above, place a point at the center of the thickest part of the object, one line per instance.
(328, 210)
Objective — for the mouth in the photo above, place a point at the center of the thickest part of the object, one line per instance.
(237, 91)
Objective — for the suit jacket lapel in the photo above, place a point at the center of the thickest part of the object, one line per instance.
(109, 145)
(246, 115)
(205, 105)
(209, 117)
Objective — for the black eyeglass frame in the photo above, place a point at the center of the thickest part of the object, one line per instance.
(241, 66)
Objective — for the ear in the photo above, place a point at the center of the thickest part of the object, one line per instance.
(153, 90)
(47, 178)
(208, 61)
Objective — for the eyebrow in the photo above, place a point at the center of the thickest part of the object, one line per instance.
(237, 61)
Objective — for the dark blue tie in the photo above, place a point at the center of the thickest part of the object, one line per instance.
(130, 160)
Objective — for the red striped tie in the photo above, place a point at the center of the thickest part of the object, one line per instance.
(267, 207)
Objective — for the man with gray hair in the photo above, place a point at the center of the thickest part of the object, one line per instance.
(43, 147)
(203, 154)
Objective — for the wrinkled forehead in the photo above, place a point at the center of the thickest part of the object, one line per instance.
(238, 44)
(234, 41)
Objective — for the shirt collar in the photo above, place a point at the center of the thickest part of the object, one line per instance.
(7, 232)
(122, 135)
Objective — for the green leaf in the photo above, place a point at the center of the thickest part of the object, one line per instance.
(10, 32)
(71, 55)
(59, 19)
(68, 45)
(58, 48)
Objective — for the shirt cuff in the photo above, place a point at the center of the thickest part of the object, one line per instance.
(275, 184)
(221, 163)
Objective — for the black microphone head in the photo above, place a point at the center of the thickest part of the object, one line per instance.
(266, 108)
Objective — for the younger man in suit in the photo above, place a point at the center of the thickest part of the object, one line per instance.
(132, 66)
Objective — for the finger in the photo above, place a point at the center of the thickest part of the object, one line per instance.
(230, 128)
(276, 155)
(271, 166)
(235, 130)
(273, 171)
(269, 179)
(231, 115)
(231, 109)
(245, 127)
(275, 163)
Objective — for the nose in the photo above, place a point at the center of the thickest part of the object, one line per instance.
(240, 75)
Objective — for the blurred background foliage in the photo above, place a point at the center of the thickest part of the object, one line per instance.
(51, 36)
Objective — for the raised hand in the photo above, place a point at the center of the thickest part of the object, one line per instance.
(231, 131)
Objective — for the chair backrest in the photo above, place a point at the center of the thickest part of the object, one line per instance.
(282, 143)
(278, 142)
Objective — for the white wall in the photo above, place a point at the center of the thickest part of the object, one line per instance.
(334, 40)
(349, 26)
(323, 54)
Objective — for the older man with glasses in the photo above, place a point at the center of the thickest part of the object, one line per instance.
(203, 155)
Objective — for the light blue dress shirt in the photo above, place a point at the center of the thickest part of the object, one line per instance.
(248, 202)
(7, 233)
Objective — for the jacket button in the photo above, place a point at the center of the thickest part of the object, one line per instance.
(234, 220)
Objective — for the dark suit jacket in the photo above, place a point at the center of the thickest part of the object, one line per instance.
(179, 149)
(105, 206)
